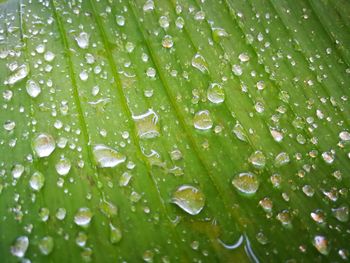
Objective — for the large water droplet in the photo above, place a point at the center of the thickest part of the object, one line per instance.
(107, 157)
(43, 144)
(33, 88)
(83, 216)
(200, 63)
(37, 181)
(147, 124)
(238, 130)
(17, 171)
(46, 245)
(20, 246)
(202, 120)
(20, 73)
(215, 93)
(281, 159)
(246, 183)
(83, 40)
(344, 136)
(189, 199)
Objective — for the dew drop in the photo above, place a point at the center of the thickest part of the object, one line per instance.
(107, 157)
(120, 20)
(237, 70)
(20, 73)
(258, 159)
(218, 34)
(282, 159)
(83, 40)
(321, 244)
(115, 234)
(167, 41)
(46, 245)
(189, 199)
(147, 125)
(239, 132)
(247, 183)
(341, 213)
(61, 213)
(33, 88)
(215, 93)
(49, 56)
(344, 136)
(200, 63)
(17, 171)
(328, 157)
(63, 166)
(202, 120)
(9, 125)
(83, 216)
(20, 246)
(284, 217)
(243, 57)
(43, 145)
(37, 181)
(148, 6)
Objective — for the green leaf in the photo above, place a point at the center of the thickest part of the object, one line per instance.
(174, 131)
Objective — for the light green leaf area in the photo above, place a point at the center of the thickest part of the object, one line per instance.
(174, 131)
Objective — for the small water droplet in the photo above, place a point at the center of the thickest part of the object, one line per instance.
(243, 57)
(247, 183)
(115, 234)
(83, 216)
(237, 70)
(120, 20)
(20, 246)
(63, 166)
(215, 93)
(9, 125)
(49, 56)
(202, 120)
(189, 199)
(20, 73)
(218, 33)
(147, 124)
(33, 88)
(61, 213)
(341, 213)
(107, 157)
(83, 40)
(17, 171)
(344, 136)
(43, 145)
(37, 181)
(284, 217)
(46, 245)
(328, 157)
(282, 159)
(199, 62)
(239, 132)
(167, 41)
(258, 159)
(321, 244)
(164, 22)
(148, 6)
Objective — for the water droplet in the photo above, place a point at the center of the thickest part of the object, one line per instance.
(46, 245)
(83, 75)
(200, 63)
(218, 33)
(284, 217)
(260, 85)
(215, 93)
(17, 171)
(20, 73)
(282, 159)
(164, 22)
(239, 132)
(37, 181)
(202, 120)
(176, 155)
(147, 124)
(148, 256)
(107, 157)
(40, 48)
(33, 88)
(151, 72)
(341, 213)
(167, 41)
(276, 135)
(247, 183)
(49, 56)
(43, 145)
(318, 216)
(115, 234)
(148, 6)
(266, 204)
(321, 244)
(108, 209)
(189, 199)
(243, 57)
(61, 213)
(237, 70)
(9, 125)
(83, 40)
(344, 136)
(63, 166)
(125, 179)
(328, 157)
(258, 159)
(120, 20)
(83, 217)
(20, 246)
